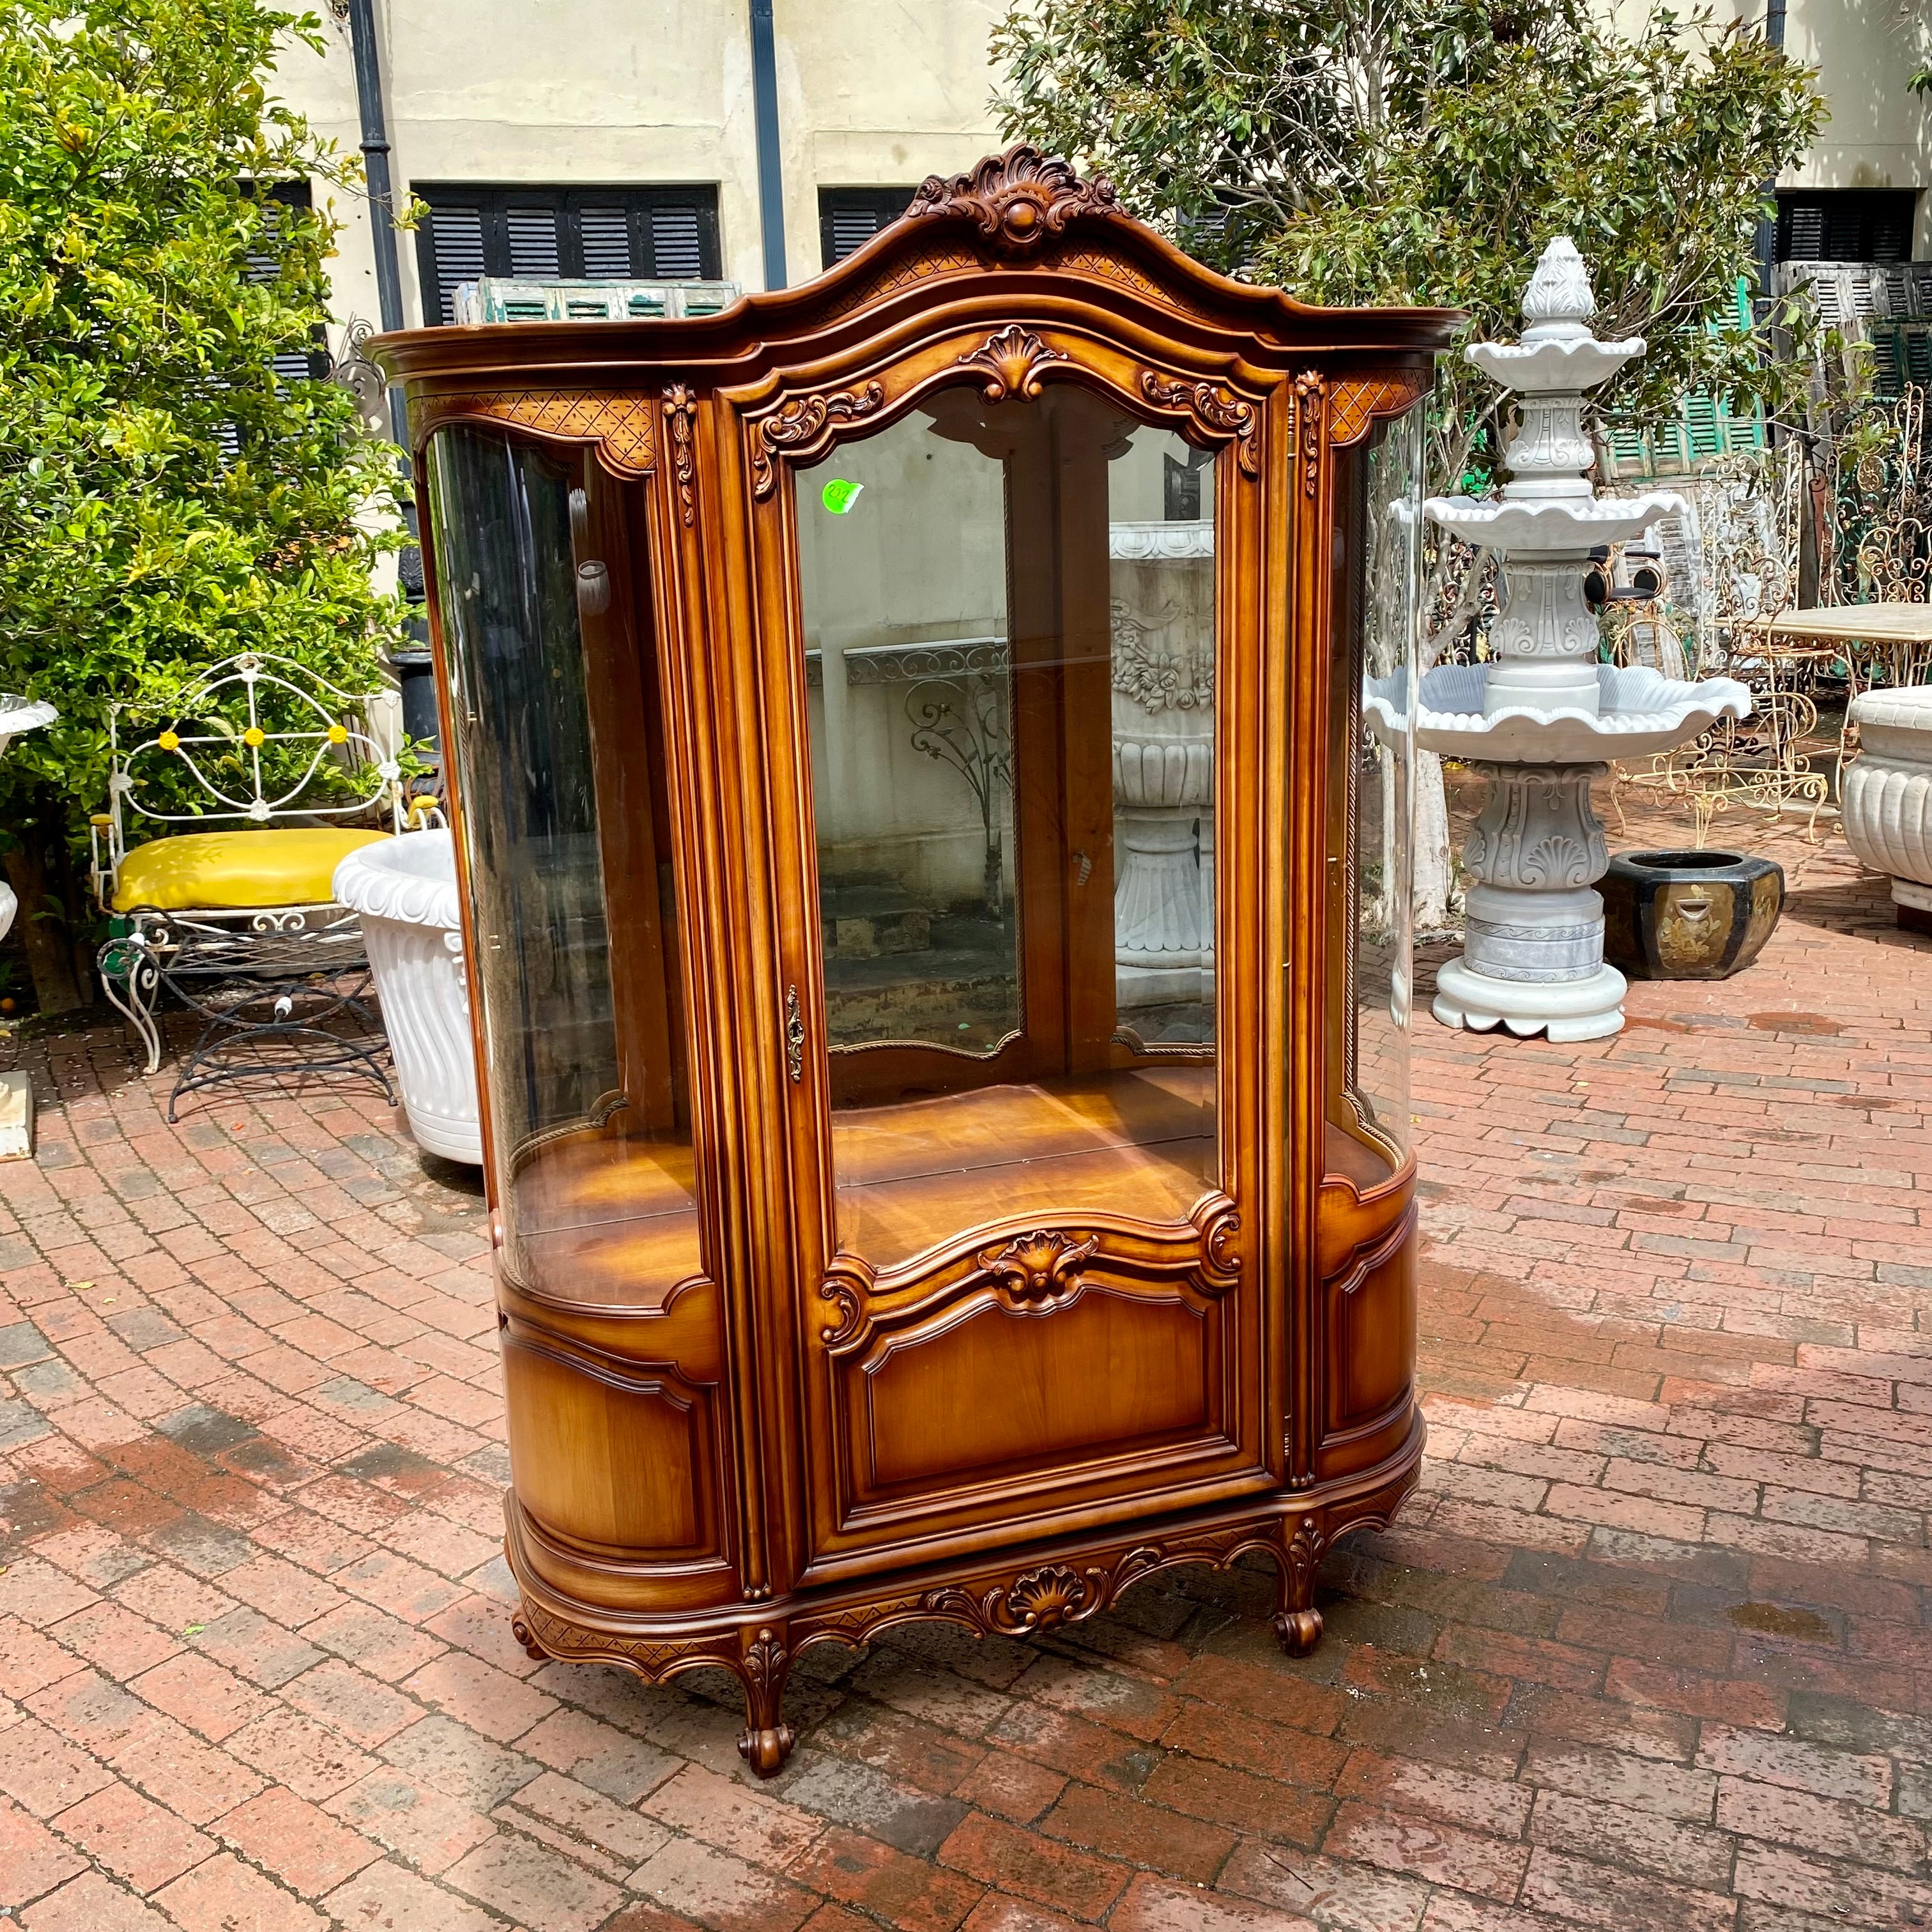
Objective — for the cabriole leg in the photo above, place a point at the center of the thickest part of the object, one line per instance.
(1297, 1623)
(767, 1662)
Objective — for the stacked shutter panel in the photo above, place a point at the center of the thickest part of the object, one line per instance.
(677, 252)
(604, 234)
(848, 217)
(455, 238)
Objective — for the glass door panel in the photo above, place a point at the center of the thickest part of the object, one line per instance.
(582, 1009)
(1009, 628)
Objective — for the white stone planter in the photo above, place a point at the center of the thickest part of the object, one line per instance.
(1887, 797)
(405, 890)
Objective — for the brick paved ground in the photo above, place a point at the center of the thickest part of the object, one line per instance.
(1649, 1652)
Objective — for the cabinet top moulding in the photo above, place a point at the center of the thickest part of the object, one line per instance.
(1001, 240)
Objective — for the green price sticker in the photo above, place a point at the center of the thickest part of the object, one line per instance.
(839, 495)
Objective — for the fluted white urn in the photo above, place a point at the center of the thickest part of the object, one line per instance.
(1887, 796)
(404, 889)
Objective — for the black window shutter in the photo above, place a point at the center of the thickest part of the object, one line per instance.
(848, 217)
(541, 234)
(1845, 224)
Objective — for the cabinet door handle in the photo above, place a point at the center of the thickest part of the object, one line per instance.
(794, 1037)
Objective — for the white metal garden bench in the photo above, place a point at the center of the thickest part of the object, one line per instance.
(241, 924)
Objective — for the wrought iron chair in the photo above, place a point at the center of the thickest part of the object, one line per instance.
(240, 924)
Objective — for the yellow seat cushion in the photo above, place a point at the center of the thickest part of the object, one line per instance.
(279, 866)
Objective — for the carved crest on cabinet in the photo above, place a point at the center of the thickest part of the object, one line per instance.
(1214, 409)
(1011, 359)
(1016, 200)
(802, 428)
(1041, 1267)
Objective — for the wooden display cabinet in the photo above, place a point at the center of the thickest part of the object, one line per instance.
(937, 930)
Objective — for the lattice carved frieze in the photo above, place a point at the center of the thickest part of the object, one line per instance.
(541, 1633)
(1355, 401)
(623, 425)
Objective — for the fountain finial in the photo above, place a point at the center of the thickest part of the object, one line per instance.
(1558, 302)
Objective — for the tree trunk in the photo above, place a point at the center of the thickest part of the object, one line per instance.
(43, 921)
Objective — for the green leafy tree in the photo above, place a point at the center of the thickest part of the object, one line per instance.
(166, 499)
(1424, 151)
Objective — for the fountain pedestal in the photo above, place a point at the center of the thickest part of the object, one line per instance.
(1533, 953)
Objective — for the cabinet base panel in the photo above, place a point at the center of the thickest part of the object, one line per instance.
(1014, 1593)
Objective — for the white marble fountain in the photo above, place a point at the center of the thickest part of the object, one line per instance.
(1540, 718)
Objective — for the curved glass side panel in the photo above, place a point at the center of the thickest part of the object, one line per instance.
(1371, 760)
(559, 774)
(1010, 655)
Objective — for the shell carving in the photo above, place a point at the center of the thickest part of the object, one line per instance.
(1010, 360)
(1042, 1266)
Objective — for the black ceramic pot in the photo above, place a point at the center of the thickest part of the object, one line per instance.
(1688, 915)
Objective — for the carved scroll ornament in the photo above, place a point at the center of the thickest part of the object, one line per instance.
(1214, 409)
(803, 427)
(1014, 200)
(1310, 395)
(679, 410)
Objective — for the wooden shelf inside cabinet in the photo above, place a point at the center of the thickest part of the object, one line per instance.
(937, 933)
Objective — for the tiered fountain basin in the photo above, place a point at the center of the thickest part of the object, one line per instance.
(1541, 719)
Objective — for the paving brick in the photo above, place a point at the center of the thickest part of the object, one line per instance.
(457, 1761)
(43, 1773)
(598, 1754)
(225, 1895)
(201, 1695)
(93, 1904)
(904, 1892)
(304, 1847)
(588, 1817)
(999, 1854)
(1856, 1778)
(412, 1819)
(32, 1860)
(363, 1709)
(1155, 1905)
(854, 1794)
(133, 1837)
(529, 1881)
(723, 1813)
(719, 1890)
(1470, 1861)
(1663, 1592)
(390, 1899)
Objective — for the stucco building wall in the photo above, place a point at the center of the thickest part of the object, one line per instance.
(870, 93)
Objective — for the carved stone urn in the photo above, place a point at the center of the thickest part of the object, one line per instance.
(1540, 719)
(1163, 697)
(1887, 796)
(17, 1091)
